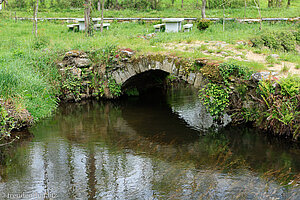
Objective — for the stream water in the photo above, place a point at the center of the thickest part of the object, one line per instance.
(147, 147)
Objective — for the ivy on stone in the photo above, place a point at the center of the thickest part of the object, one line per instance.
(215, 98)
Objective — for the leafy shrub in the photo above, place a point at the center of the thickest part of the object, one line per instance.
(231, 4)
(297, 36)
(288, 40)
(203, 24)
(226, 70)
(290, 86)
(114, 87)
(276, 40)
(40, 43)
(215, 97)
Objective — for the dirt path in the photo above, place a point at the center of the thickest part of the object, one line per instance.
(239, 51)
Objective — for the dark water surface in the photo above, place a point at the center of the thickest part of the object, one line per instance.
(145, 148)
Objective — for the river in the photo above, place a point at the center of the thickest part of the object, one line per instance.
(147, 147)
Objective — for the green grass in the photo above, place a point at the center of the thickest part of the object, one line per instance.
(167, 10)
(27, 71)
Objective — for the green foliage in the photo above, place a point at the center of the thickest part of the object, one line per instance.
(250, 115)
(132, 92)
(227, 70)
(230, 4)
(265, 89)
(3, 121)
(271, 60)
(40, 43)
(31, 80)
(290, 86)
(106, 56)
(282, 113)
(114, 88)
(72, 85)
(215, 97)
(297, 35)
(276, 40)
(203, 24)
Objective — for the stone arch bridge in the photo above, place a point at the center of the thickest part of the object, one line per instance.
(129, 71)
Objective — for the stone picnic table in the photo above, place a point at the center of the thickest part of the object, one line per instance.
(95, 20)
(173, 24)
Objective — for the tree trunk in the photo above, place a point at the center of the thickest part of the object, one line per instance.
(288, 3)
(98, 5)
(245, 9)
(181, 3)
(101, 27)
(279, 3)
(117, 5)
(203, 9)
(258, 8)
(87, 18)
(35, 17)
(223, 16)
(270, 3)
(173, 2)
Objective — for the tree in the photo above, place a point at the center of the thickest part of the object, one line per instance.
(98, 5)
(258, 8)
(35, 18)
(172, 2)
(181, 3)
(101, 27)
(203, 9)
(288, 3)
(88, 22)
(2, 4)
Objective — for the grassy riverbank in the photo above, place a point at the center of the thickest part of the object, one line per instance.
(30, 79)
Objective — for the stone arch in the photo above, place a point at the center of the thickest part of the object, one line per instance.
(167, 65)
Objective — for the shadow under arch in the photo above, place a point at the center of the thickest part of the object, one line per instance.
(145, 80)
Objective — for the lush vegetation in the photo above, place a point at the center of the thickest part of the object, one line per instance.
(282, 102)
(278, 40)
(164, 8)
(30, 80)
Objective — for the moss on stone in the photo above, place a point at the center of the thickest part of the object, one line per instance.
(212, 73)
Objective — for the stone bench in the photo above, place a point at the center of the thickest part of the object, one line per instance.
(105, 26)
(158, 27)
(187, 27)
(73, 27)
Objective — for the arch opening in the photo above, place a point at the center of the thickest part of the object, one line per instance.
(145, 82)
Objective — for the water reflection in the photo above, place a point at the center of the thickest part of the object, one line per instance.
(141, 149)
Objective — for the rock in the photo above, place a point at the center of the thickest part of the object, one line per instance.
(127, 52)
(76, 72)
(240, 43)
(262, 75)
(75, 53)
(274, 56)
(82, 62)
(224, 53)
